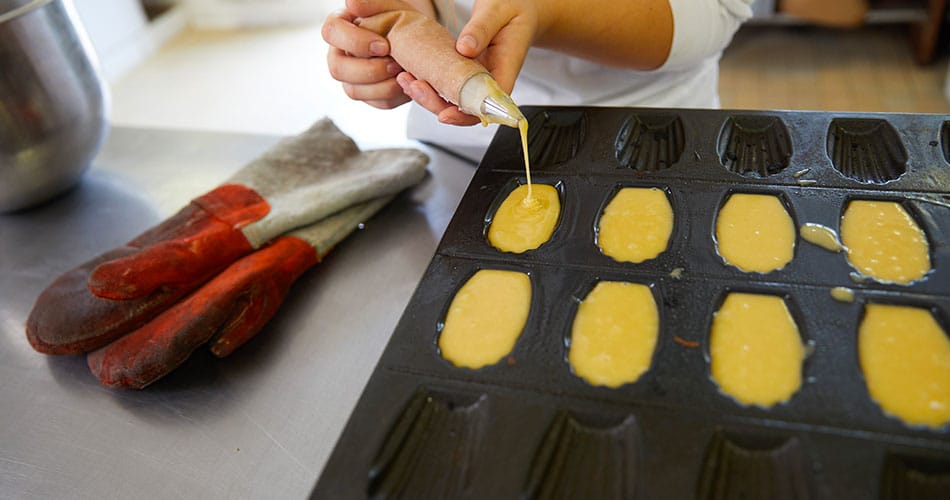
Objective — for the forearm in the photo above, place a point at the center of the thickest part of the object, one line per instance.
(634, 34)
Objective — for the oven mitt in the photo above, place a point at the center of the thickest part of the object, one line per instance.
(226, 311)
(301, 180)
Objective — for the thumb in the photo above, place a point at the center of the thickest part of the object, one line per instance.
(477, 34)
(499, 35)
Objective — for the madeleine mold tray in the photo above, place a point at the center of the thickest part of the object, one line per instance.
(528, 427)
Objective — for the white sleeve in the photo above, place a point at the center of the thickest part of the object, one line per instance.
(702, 28)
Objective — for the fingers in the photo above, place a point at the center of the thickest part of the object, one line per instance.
(340, 32)
(357, 70)
(499, 35)
(424, 95)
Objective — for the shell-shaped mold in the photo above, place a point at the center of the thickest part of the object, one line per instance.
(412, 463)
(945, 140)
(759, 468)
(755, 146)
(914, 479)
(650, 142)
(866, 150)
(555, 136)
(578, 461)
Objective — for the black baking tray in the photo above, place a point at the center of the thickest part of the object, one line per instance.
(528, 428)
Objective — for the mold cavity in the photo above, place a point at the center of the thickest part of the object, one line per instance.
(755, 146)
(905, 357)
(758, 469)
(884, 242)
(866, 150)
(522, 222)
(486, 318)
(411, 462)
(650, 142)
(636, 225)
(913, 478)
(614, 334)
(945, 140)
(754, 232)
(577, 461)
(755, 349)
(555, 136)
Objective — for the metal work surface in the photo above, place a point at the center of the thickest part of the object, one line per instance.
(259, 424)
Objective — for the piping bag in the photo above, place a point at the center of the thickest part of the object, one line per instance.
(426, 49)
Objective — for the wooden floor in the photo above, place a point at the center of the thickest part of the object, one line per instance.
(805, 68)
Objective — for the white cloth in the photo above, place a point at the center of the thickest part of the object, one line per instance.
(688, 79)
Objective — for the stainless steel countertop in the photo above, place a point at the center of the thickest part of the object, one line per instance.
(260, 424)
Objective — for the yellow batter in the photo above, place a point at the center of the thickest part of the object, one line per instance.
(823, 236)
(523, 223)
(905, 357)
(755, 233)
(523, 130)
(884, 242)
(485, 318)
(636, 225)
(614, 334)
(842, 294)
(755, 349)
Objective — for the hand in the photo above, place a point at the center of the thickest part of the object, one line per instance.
(498, 35)
(359, 59)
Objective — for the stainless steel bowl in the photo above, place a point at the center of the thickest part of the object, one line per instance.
(52, 101)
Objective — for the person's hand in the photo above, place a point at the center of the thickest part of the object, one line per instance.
(498, 35)
(359, 59)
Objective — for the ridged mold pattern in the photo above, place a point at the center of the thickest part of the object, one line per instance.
(578, 461)
(945, 140)
(431, 449)
(650, 142)
(759, 468)
(906, 478)
(755, 146)
(555, 136)
(866, 150)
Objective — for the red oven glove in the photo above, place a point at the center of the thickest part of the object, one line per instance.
(301, 180)
(228, 310)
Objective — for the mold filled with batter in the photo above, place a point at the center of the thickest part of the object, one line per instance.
(755, 233)
(636, 225)
(524, 222)
(755, 349)
(883, 242)
(905, 357)
(486, 318)
(614, 334)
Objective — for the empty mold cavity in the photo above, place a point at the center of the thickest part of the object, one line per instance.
(746, 467)
(555, 136)
(650, 142)
(431, 449)
(866, 150)
(945, 140)
(913, 478)
(580, 461)
(755, 146)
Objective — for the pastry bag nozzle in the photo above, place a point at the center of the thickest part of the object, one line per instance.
(481, 96)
